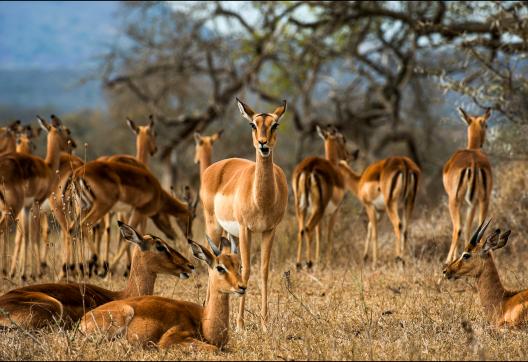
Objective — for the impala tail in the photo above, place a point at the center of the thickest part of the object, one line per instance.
(404, 185)
(310, 200)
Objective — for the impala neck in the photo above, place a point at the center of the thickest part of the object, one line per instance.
(53, 151)
(204, 157)
(351, 178)
(331, 152)
(474, 139)
(142, 153)
(264, 182)
(215, 318)
(491, 291)
(141, 281)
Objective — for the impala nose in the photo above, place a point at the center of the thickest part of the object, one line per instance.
(191, 266)
(241, 290)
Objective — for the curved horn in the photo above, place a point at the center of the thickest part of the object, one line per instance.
(477, 235)
(212, 245)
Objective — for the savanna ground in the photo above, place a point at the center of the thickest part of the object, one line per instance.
(343, 309)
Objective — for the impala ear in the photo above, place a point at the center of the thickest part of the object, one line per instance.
(132, 125)
(354, 155)
(201, 253)
(217, 135)
(197, 138)
(279, 111)
(43, 124)
(487, 114)
(465, 117)
(14, 127)
(245, 110)
(128, 233)
(55, 121)
(320, 132)
(151, 121)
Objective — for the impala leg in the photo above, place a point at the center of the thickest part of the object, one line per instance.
(300, 236)
(394, 217)
(267, 243)
(4, 233)
(106, 243)
(372, 235)
(454, 212)
(483, 209)
(133, 221)
(35, 240)
(19, 235)
(25, 243)
(409, 205)
(331, 223)
(468, 226)
(175, 337)
(245, 247)
(44, 227)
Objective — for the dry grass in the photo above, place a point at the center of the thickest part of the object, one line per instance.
(340, 311)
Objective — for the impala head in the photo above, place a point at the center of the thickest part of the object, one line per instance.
(57, 133)
(477, 126)
(8, 136)
(476, 253)
(25, 138)
(157, 254)
(146, 135)
(204, 144)
(224, 265)
(335, 142)
(264, 126)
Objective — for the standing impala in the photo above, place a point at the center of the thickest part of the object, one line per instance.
(39, 305)
(169, 322)
(388, 185)
(501, 306)
(26, 182)
(467, 177)
(319, 188)
(204, 149)
(8, 138)
(245, 198)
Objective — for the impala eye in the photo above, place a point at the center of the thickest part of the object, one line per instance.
(220, 269)
(466, 255)
(274, 126)
(161, 247)
(253, 125)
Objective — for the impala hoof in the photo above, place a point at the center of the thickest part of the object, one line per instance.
(298, 266)
(309, 264)
(399, 260)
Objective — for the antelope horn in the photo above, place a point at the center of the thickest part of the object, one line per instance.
(477, 235)
(214, 248)
(234, 248)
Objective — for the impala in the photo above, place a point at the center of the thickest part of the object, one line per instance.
(39, 305)
(204, 149)
(245, 198)
(169, 322)
(502, 307)
(8, 138)
(26, 182)
(467, 177)
(100, 186)
(388, 185)
(318, 188)
(146, 147)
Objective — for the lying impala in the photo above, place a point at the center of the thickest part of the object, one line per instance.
(318, 188)
(169, 322)
(467, 177)
(245, 198)
(502, 307)
(388, 185)
(39, 305)
(26, 182)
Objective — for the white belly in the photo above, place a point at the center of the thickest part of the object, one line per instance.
(28, 201)
(232, 227)
(379, 202)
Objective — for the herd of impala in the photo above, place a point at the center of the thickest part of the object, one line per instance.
(240, 198)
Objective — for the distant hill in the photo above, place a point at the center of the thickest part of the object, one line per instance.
(46, 47)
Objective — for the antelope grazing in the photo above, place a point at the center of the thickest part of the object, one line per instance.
(100, 186)
(39, 305)
(467, 177)
(204, 149)
(169, 322)
(8, 138)
(388, 185)
(502, 307)
(26, 182)
(245, 198)
(146, 147)
(318, 188)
